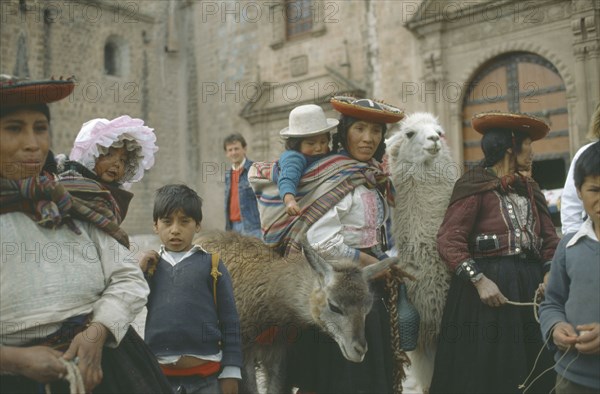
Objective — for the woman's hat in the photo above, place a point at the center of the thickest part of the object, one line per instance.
(368, 110)
(536, 128)
(308, 120)
(16, 92)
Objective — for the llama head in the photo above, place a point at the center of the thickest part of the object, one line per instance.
(342, 299)
(418, 139)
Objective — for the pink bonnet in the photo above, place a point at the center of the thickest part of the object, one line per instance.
(98, 135)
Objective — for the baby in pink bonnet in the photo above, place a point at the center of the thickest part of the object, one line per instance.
(114, 153)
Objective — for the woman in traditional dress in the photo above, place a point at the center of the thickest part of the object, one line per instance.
(498, 238)
(344, 200)
(68, 292)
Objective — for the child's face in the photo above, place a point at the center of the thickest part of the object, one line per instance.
(315, 145)
(111, 166)
(589, 193)
(176, 231)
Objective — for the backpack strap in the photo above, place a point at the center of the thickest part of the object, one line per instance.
(214, 272)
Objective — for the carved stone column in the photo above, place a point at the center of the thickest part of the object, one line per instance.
(585, 25)
(277, 21)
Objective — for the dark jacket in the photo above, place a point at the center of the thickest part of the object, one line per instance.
(248, 204)
(480, 222)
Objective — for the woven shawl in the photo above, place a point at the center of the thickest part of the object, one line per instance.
(51, 203)
(323, 185)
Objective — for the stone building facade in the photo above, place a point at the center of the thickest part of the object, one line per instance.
(197, 70)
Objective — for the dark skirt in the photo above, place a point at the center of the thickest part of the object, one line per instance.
(492, 350)
(316, 363)
(129, 368)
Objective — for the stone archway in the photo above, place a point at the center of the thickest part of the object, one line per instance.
(521, 82)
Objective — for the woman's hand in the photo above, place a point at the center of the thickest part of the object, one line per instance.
(149, 260)
(228, 386)
(564, 335)
(87, 347)
(489, 293)
(542, 286)
(39, 363)
(588, 341)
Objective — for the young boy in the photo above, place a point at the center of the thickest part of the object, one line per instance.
(570, 313)
(193, 333)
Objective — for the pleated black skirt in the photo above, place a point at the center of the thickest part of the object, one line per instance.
(316, 364)
(482, 349)
(129, 368)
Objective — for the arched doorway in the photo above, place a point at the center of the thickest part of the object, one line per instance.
(527, 83)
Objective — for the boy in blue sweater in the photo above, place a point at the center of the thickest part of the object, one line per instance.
(307, 140)
(192, 329)
(570, 313)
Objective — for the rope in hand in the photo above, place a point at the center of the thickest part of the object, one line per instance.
(537, 296)
(73, 376)
(562, 376)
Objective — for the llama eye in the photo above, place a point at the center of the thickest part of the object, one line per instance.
(439, 133)
(334, 308)
(410, 134)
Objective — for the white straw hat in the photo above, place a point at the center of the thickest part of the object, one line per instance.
(308, 120)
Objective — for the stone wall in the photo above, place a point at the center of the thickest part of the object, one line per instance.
(199, 70)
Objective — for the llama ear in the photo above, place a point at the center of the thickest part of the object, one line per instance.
(371, 270)
(318, 264)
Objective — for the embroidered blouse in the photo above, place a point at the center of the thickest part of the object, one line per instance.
(354, 223)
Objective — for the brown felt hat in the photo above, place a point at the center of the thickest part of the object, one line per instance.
(16, 92)
(536, 128)
(367, 110)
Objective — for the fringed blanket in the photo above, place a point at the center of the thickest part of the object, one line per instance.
(322, 186)
(53, 203)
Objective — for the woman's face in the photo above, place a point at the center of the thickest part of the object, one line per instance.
(24, 144)
(363, 139)
(525, 157)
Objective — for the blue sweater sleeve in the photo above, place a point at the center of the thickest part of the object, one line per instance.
(292, 165)
(229, 320)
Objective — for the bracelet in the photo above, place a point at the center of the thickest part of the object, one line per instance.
(468, 270)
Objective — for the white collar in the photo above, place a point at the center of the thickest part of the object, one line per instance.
(586, 230)
(164, 253)
(234, 168)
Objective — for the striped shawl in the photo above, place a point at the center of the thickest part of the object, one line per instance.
(51, 203)
(322, 186)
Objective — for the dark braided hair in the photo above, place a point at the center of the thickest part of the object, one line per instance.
(495, 142)
(8, 110)
(340, 139)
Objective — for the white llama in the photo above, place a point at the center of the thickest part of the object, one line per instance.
(423, 174)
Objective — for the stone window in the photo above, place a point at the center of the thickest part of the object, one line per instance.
(295, 19)
(116, 56)
(298, 17)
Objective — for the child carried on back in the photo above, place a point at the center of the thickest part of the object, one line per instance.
(114, 153)
(307, 141)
